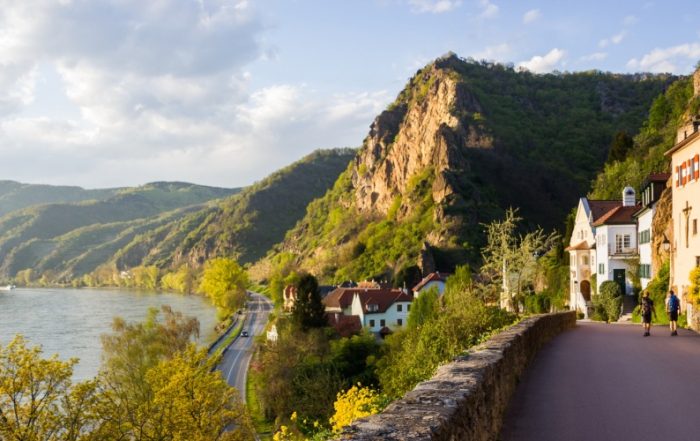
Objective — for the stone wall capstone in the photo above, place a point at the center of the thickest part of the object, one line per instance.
(466, 399)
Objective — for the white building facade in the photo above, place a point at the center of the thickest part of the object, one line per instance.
(651, 192)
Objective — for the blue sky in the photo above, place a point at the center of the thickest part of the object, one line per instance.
(222, 92)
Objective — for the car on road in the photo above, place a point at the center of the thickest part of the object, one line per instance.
(244, 333)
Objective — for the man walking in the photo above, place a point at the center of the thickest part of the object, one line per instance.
(646, 308)
(673, 307)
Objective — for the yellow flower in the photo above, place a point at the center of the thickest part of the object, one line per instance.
(293, 417)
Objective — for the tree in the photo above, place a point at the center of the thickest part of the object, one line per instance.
(308, 310)
(36, 399)
(224, 282)
(620, 147)
(511, 259)
(607, 304)
(424, 308)
(181, 281)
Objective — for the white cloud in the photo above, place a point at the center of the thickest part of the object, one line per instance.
(596, 56)
(545, 63)
(675, 59)
(494, 53)
(488, 9)
(531, 16)
(615, 39)
(433, 6)
(162, 92)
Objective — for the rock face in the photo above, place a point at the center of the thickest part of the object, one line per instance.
(696, 82)
(661, 228)
(414, 136)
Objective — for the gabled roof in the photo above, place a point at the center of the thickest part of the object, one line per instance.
(432, 277)
(340, 298)
(618, 216)
(600, 208)
(657, 177)
(581, 246)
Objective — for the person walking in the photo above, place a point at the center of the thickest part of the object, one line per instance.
(646, 308)
(673, 307)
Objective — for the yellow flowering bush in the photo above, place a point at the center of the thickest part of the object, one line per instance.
(355, 403)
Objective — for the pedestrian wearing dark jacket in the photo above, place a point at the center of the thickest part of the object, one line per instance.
(646, 309)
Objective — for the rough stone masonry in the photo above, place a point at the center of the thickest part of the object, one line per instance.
(466, 399)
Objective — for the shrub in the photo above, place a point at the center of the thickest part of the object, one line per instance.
(607, 304)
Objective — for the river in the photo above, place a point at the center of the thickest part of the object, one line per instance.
(69, 322)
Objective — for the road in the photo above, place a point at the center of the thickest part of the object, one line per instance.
(607, 382)
(234, 364)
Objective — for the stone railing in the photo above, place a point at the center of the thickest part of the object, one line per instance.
(465, 399)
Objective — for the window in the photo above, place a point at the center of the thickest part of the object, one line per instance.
(697, 260)
(622, 243)
(645, 236)
(399, 322)
(399, 308)
(695, 227)
(371, 323)
(645, 271)
(585, 260)
(601, 268)
(382, 323)
(372, 307)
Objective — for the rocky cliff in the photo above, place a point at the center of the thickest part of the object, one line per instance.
(462, 142)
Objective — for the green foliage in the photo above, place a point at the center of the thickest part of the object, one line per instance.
(308, 310)
(412, 355)
(694, 290)
(657, 288)
(224, 282)
(608, 302)
(424, 308)
(657, 135)
(621, 145)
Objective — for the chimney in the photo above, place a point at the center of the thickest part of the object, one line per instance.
(628, 197)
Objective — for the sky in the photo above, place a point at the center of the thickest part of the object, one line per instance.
(105, 93)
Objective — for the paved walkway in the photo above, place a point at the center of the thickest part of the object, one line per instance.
(606, 382)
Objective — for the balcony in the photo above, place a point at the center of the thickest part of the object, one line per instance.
(622, 252)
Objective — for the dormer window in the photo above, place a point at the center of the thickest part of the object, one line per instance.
(372, 307)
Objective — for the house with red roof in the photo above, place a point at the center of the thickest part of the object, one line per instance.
(603, 241)
(436, 280)
(380, 310)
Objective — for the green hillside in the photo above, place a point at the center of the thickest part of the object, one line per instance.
(58, 238)
(505, 138)
(15, 196)
(244, 226)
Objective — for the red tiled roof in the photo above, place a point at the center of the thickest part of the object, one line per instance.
(581, 246)
(432, 277)
(345, 325)
(620, 215)
(383, 298)
(601, 208)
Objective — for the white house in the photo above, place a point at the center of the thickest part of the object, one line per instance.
(436, 280)
(651, 191)
(600, 226)
(379, 310)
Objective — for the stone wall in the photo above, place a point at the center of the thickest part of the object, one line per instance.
(466, 399)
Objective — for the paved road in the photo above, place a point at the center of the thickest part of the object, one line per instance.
(234, 364)
(607, 382)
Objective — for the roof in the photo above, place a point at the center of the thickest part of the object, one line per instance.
(682, 144)
(581, 246)
(432, 277)
(657, 177)
(383, 298)
(618, 216)
(344, 325)
(601, 208)
(339, 298)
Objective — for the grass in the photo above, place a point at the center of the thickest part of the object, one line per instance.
(263, 427)
(231, 337)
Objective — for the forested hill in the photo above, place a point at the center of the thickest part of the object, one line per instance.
(16, 195)
(163, 224)
(462, 142)
(54, 239)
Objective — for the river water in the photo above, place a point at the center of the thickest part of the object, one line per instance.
(69, 322)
